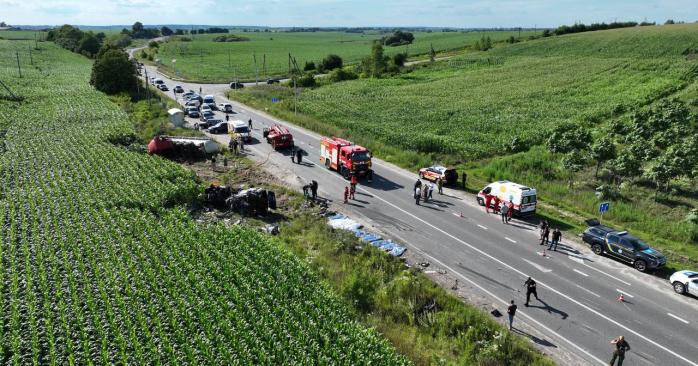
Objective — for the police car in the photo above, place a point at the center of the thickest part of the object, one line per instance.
(434, 172)
(685, 282)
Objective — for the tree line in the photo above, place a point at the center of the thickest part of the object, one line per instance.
(75, 40)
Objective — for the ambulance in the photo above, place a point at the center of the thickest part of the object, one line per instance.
(523, 198)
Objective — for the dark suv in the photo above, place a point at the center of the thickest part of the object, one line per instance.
(621, 245)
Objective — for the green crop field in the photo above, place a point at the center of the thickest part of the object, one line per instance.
(22, 34)
(101, 264)
(208, 61)
(472, 109)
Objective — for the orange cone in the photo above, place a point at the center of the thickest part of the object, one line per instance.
(621, 298)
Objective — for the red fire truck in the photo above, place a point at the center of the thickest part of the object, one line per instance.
(345, 157)
(278, 136)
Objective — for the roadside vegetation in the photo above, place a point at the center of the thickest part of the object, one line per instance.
(493, 113)
(201, 58)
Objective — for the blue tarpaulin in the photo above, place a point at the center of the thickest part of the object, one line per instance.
(340, 221)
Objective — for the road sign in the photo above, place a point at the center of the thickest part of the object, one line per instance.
(603, 207)
(274, 100)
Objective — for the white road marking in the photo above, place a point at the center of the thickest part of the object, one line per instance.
(575, 258)
(602, 272)
(483, 253)
(539, 267)
(511, 240)
(677, 318)
(593, 293)
(581, 273)
(482, 227)
(625, 293)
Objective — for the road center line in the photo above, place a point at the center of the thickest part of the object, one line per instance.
(569, 298)
(581, 273)
(588, 291)
(511, 240)
(625, 293)
(602, 272)
(482, 227)
(677, 318)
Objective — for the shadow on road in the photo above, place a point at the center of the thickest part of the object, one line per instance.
(549, 309)
(384, 184)
(542, 342)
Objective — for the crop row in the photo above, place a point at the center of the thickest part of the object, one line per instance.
(101, 266)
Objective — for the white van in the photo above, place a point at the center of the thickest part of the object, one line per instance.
(210, 101)
(523, 198)
(240, 128)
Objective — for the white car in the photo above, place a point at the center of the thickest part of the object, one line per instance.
(226, 107)
(685, 282)
(205, 107)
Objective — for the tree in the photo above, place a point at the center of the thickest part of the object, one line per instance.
(101, 36)
(331, 62)
(166, 31)
(341, 75)
(153, 44)
(378, 63)
(113, 72)
(603, 150)
(399, 59)
(625, 166)
(89, 45)
(137, 27)
(572, 162)
(546, 33)
(660, 173)
(306, 81)
(432, 53)
(309, 66)
(3, 24)
(568, 137)
(670, 21)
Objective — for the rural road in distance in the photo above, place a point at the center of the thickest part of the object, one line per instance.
(578, 313)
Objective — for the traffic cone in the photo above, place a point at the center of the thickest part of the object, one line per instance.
(460, 214)
(621, 298)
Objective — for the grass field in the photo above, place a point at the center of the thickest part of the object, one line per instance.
(102, 264)
(207, 61)
(23, 34)
(467, 112)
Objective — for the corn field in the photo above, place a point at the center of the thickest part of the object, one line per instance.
(101, 263)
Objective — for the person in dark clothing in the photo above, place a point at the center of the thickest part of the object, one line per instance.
(249, 123)
(418, 183)
(233, 146)
(346, 194)
(306, 190)
(313, 189)
(417, 194)
(557, 235)
(530, 285)
(621, 346)
(504, 212)
(299, 156)
(545, 238)
(511, 311)
(465, 177)
(440, 185)
(227, 118)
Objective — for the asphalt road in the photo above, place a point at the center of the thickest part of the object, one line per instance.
(577, 312)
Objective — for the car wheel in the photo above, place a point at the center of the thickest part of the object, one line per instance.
(480, 201)
(679, 287)
(640, 265)
(597, 249)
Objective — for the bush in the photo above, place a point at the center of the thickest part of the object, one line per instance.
(309, 66)
(341, 75)
(360, 289)
(306, 81)
(331, 62)
(113, 72)
(153, 44)
(399, 59)
(230, 38)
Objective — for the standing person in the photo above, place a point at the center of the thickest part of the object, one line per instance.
(199, 90)
(543, 224)
(233, 146)
(227, 117)
(431, 190)
(465, 177)
(621, 346)
(440, 185)
(293, 154)
(352, 190)
(418, 183)
(346, 194)
(425, 193)
(511, 311)
(496, 204)
(313, 188)
(488, 201)
(510, 211)
(306, 191)
(241, 142)
(249, 124)
(530, 285)
(557, 235)
(504, 211)
(545, 238)
(417, 193)
(299, 155)
(354, 181)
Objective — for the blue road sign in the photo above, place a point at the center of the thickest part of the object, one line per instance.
(603, 207)
(274, 100)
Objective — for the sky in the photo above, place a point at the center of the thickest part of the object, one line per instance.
(354, 13)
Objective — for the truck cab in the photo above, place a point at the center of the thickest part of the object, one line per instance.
(278, 136)
(345, 157)
(240, 128)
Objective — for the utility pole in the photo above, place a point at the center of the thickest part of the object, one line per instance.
(31, 59)
(147, 92)
(264, 65)
(256, 69)
(228, 59)
(19, 68)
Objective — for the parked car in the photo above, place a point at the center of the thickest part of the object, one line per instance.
(192, 103)
(163, 87)
(192, 112)
(236, 85)
(622, 246)
(273, 81)
(434, 172)
(205, 107)
(226, 107)
(202, 125)
(205, 115)
(218, 127)
(178, 89)
(685, 282)
(187, 95)
(210, 100)
(158, 81)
